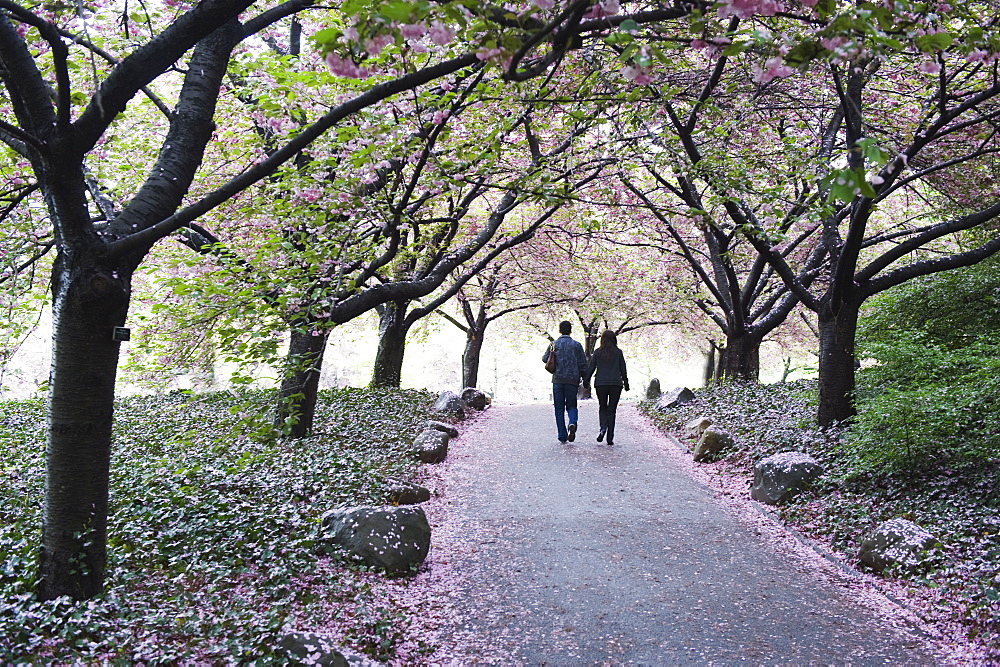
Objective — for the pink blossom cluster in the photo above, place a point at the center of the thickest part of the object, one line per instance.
(843, 48)
(309, 195)
(488, 53)
(712, 47)
(978, 55)
(374, 45)
(275, 125)
(746, 8)
(774, 68)
(345, 67)
(415, 35)
(640, 76)
(603, 8)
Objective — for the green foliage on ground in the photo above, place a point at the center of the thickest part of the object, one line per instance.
(929, 391)
(211, 530)
(959, 502)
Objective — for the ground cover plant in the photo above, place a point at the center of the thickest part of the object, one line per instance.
(955, 498)
(212, 528)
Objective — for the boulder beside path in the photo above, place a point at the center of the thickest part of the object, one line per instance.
(393, 539)
(776, 477)
(431, 446)
(896, 542)
(673, 398)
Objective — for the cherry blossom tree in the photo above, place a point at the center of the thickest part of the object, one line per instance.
(539, 164)
(877, 228)
(69, 73)
(740, 292)
(818, 142)
(579, 270)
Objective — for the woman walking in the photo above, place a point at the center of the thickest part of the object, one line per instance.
(611, 377)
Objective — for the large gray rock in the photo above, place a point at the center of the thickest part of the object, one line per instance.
(475, 399)
(713, 441)
(430, 446)
(653, 390)
(775, 477)
(896, 542)
(308, 648)
(443, 427)
(394, 539)
(311, 649)
(406, 493)
(451, 404)
(697, 426)
(673, 398)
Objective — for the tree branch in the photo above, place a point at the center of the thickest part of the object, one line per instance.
(266, 167)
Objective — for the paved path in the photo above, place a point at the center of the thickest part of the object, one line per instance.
(583, 554)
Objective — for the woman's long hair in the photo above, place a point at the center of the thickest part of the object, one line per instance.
(609, 344)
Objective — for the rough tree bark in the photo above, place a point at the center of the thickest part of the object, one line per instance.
(392, 329)
(471, 357)
(88, 302)
(590, 337)
(297, 394)
(91, 283)
(740, 358)
(837, 331)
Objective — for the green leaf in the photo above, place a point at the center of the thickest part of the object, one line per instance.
(803, 52)
(397, 11)
(939, 41)
(872, 152)
(617, 38)
(628, 26)
(826, 8)
(326, 36)
(736, 48)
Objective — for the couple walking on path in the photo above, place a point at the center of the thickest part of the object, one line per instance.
(606, 366)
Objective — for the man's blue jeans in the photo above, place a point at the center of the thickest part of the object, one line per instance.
(564, 397)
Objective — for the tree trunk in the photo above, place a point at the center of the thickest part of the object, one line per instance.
(837, 330)
(470, 360)
(88, 302)
(590, 338)
(296, 408)
(740, 359)
(711, 365)
(392, 330)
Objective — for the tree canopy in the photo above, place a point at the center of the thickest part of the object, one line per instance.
(825, 144)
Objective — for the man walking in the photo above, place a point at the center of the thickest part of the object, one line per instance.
(571, 368)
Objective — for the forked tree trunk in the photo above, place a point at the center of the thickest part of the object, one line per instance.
(296, 409)
(740, 359)
(392, 329)
(837, 332)
(87, 304)
(470, 360)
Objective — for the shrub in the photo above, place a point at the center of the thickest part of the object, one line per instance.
(927, 396)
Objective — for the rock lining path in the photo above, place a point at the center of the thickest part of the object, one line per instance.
(548, 554)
